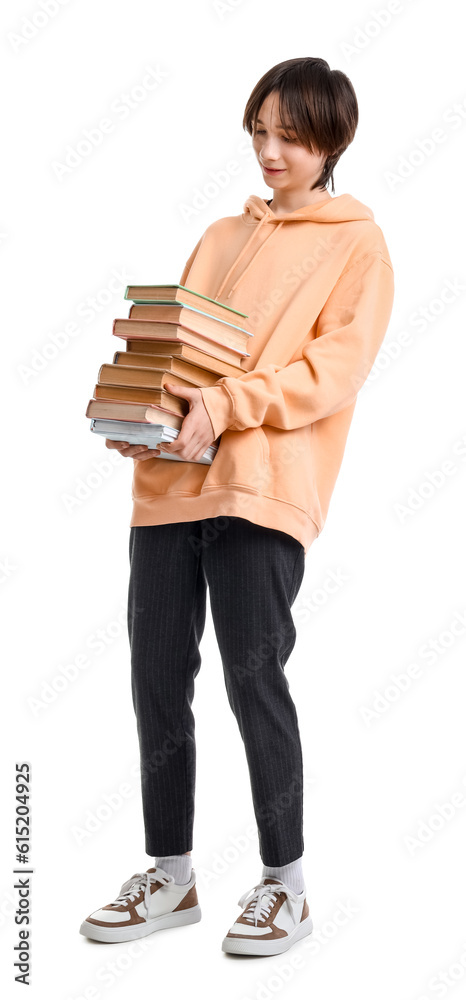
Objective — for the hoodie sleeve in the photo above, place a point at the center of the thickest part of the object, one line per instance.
(349, 333)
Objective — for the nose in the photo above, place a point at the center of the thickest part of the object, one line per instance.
(269, 150)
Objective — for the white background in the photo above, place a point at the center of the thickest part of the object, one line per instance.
(371, 786)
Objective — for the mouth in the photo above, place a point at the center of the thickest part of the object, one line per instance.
(267, 171)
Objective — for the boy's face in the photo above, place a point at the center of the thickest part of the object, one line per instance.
(297, 168)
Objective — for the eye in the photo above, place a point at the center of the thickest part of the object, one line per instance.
(261, 131)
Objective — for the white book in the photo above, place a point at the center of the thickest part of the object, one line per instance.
(141, 433)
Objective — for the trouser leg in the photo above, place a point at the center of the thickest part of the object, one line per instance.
(254, 574)
(166, 618)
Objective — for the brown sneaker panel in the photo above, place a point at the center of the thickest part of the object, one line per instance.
(189, 900)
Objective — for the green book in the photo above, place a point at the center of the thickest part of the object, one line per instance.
(153, 294)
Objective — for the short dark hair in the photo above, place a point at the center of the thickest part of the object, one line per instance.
(320, 103)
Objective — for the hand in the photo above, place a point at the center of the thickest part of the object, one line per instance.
(196, 432)
(137, 451)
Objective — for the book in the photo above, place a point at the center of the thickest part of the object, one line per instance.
(179, 293)
(144, 378)
(111, 409)
(208, 353)
(177, 366)
(191, 319)
(136, 394)
(151, 434)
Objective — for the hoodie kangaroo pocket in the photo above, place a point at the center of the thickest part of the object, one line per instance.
(241, 460)
(291, 474)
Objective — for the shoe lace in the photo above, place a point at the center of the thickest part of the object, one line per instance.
(141, 880)
(262, 898)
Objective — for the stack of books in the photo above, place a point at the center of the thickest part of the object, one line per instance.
(172, 334)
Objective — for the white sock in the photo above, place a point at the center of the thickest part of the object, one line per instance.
(291, 875)
(178, 865)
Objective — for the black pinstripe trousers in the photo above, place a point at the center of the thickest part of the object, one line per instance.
(253, 574)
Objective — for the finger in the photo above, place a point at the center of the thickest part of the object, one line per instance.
(131, 450)
(193, 454)
(180, 390)
(120, 444)
(150, 453)
(176, 445)
(115, 444)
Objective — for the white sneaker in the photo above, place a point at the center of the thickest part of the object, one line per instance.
(274, 919)
(148, 901)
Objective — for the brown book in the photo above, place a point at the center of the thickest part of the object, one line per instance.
(144, 378)
(228, 365)
(159, 362)
(190, 319)
(133, 394)
(110, 409)
(186, 296)
(169, 333)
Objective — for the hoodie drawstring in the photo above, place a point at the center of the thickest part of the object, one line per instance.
(265, 218)
(253, 259)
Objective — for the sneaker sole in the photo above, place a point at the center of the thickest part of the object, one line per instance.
(191, 915)
(247, 946)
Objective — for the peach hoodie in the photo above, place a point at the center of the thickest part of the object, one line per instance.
(317, 286)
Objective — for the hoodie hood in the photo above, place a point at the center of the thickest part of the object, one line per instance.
(257, 213)
(344, 208)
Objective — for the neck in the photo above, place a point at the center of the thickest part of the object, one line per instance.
(314, 198)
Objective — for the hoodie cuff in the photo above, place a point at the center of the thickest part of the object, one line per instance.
(220, 406)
